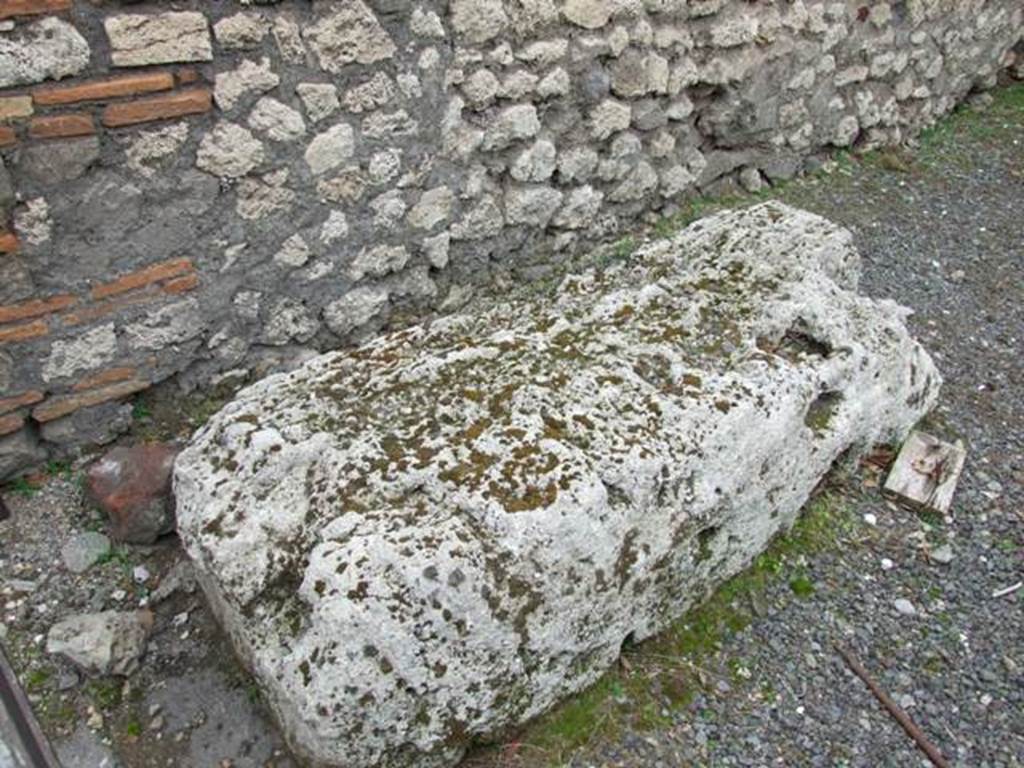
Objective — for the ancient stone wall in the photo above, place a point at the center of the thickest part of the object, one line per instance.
(208, 191)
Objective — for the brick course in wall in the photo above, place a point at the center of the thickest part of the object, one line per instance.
(214, 190)
(11, 8)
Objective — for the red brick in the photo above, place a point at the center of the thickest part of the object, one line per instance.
(9, 404)
(62, 405)
(193, 102)
(9, 8)
(35, 307)
(23, 332)
(143, 277)
(97, 90)
(8, 242)
(7, 136)
(187, 75)
(58, 126)
(109, 376)
(95, 311)
(11, 423)
(181, 284)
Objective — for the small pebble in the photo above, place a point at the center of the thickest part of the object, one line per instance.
(904, 607)
(887, 564)
(83, 550)
(870, 519)
(942, 554)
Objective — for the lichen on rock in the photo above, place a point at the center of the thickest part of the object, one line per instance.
(441, 533)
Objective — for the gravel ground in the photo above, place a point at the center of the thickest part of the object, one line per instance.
(941, 230)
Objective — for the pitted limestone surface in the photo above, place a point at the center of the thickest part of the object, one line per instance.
(441, 533)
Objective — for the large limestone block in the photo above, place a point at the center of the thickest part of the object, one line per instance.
(447, 530)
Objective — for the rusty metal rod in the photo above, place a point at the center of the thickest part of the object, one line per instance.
(25, 737)
(894, 709)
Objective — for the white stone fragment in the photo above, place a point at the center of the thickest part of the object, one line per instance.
(106, 643)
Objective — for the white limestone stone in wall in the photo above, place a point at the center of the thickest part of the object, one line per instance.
(276, 120)
(433, 208)
(162, 38)
(511, 125)
(377, 261)
(355, 308)
(330, 149)
(87, 351)
(589, 14)
(146, 150)
(229, 151)
(294, 252)
(241, 30)
(533, 205)
(478, 20)
(319, 99)
(47, 49)
(348, 32)
(249, 77)
(32, 221)
(259, 197)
